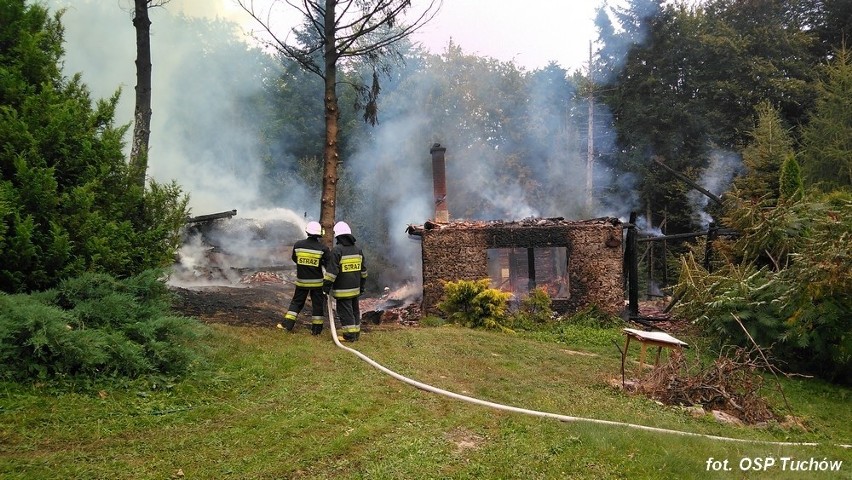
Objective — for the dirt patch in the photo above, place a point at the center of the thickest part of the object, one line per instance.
(263, 304)
(464, 439)
(261, 300)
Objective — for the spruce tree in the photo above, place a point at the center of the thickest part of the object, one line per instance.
(827, 139)
(770, 146)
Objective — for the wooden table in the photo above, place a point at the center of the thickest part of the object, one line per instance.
(656, 339)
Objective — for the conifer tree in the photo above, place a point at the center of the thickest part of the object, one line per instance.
(65, 205)
(791, 187)
(770, 146)
(827, 139)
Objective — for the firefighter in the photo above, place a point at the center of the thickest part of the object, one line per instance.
(310, 256)
(345, 276)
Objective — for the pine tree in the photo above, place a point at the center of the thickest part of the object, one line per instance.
(771, 145)
(827, 139)
(791, 187)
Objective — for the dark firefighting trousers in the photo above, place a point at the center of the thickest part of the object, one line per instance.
(349, 315)
(298, 302)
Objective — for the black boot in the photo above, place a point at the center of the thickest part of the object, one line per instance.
(289, 324)
(316, 329)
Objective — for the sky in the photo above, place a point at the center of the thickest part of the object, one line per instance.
(531, 32)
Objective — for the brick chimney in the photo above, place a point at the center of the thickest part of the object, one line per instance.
(439, 179)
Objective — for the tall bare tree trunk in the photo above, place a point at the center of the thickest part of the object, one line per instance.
(142, 112)
(331, 157)
(361, 29)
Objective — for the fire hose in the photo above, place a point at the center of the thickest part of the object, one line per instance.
(556, 416)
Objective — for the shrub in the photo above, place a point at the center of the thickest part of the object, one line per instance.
(95, 325)
(474, 304)
(533, 312)
(798, 302)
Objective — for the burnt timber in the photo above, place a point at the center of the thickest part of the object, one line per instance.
(211, 216)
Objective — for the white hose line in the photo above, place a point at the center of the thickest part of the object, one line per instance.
(563, 418)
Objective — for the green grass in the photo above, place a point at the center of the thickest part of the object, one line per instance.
(274, 405)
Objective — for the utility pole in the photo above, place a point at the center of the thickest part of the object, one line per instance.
(590, 154)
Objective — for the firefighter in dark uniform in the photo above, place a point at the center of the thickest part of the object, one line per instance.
(310, 256)
(345, 276)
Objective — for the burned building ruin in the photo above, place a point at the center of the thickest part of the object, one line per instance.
(578, 263)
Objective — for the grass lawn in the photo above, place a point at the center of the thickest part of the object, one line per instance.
(272, 405)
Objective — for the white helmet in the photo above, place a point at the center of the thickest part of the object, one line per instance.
(341, 228)
(313, 228)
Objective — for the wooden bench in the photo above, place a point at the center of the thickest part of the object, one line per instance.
(655, 339)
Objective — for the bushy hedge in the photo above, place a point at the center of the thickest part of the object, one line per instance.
(93, 326)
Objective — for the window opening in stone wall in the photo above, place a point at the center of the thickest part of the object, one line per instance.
(520, 270)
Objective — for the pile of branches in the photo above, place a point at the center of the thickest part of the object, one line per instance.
(262, 277)
(730, 384)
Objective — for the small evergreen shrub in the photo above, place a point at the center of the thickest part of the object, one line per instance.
(474, 304)
(533, 311)
(95, 325)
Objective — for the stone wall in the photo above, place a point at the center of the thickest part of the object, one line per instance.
(457, 251)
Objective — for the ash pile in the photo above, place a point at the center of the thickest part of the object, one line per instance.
(222, 250)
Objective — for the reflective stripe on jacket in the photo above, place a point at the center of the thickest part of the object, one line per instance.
(347, 270)
(310, 256)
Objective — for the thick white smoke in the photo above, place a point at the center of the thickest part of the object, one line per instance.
(202, 135)
(716, 179)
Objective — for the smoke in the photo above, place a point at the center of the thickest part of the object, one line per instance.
(396, 189)
(206, 125)
(221, 251)
(646, 228)
(621, 26)
(532, 165)
(207, 122)
(716, 179)
(205, 78)
(622, 195)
